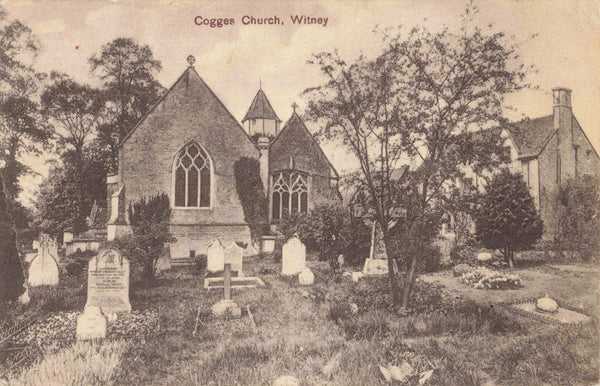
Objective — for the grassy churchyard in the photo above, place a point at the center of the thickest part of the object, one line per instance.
(334, 332)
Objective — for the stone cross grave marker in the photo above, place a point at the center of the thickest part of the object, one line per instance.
(234, 256)
(91, 324)
(108, 282)
(293, 257)
(215, 257)
(227, 282)
(44, 267)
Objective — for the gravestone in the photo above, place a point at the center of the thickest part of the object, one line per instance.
(108, 282)
(306, 277)
(44, 267)
(376, 263)
(234, 256)
(91, 324)
(226, 307)
(293, 257)
(215, 257)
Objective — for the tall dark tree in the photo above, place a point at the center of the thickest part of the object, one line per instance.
(75, 111)
(417, 103)
(11, 272)
(506, 217)
(127, 70)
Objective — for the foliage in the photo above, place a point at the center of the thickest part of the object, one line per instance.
(252, 196)
(578, 211)
(150, 223)
(127, 70)
(12, 277)
(331, 230)
(419, 100)
(463, 253)
(484, 278)
(506, 217)
(64, 199)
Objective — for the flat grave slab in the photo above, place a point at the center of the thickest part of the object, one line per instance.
(236, 282)
(563, 315)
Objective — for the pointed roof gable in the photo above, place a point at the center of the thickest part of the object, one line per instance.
(295, 123)
(261, 108)
(188, 76)
(531, 135)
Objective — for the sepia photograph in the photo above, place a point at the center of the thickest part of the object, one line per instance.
(314, 192)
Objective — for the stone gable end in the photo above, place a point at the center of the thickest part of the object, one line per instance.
(188, 112)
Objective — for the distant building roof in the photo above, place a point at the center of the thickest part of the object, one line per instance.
(261, 108)
(531, 135)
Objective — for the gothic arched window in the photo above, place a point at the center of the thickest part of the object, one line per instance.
(290, 194)
(192, 178)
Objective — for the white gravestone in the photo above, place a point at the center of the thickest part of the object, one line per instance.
(293, 257)
(215, 257)
(306, 277)
(91, 324)
(44, 267)
(234, 256)
(108, 282)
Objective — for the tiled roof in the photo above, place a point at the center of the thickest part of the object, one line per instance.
(531, 135)
(260, 108)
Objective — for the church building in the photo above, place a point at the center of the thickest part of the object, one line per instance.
(187, 147)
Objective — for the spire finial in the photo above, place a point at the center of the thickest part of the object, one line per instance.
(294, 105)
(191, 60)
(260, 83)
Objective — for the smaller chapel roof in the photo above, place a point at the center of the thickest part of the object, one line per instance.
(261, 108)
(531, 135)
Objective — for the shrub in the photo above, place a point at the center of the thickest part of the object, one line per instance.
(578, 222)
(484, 278)
(251, 193)
(74, 268)
(199, 266)
(150, 223)
(331, 230)
(506, 217)
(463, 253)
(11, 270)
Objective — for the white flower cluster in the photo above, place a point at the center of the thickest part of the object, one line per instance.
(485, 278)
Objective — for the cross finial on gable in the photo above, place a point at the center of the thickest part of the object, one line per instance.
(294, 105)
(191, 60)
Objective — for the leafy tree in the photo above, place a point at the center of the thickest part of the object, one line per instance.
(506, 217)
(75, 111)
(127, 70)
(11, 274)
(578, 216)
(22, 129)
(417, 102)
(150, 222)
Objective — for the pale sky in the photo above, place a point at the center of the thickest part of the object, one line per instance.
(232, 59)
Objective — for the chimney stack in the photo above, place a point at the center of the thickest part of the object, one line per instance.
(563, 118)
(562, 107)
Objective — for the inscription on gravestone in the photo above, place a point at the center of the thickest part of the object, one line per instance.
(108, 282)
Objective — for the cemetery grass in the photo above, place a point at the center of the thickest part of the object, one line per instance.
(300, 329)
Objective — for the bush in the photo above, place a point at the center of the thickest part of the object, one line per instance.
(11, 270)
(463, 253)
(74, 268)
(484, 278)
(577, 217)
(251, 193)
(331, 230)
(506, 217)
(150, 223)
(199, 266)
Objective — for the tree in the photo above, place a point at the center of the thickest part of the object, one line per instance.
(417, 103)
(578, 216)
(130, 89)
(506, 217)
(22, 129)
(150, 222)
(75, 111)
(11, 274)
